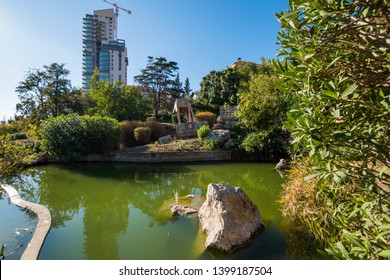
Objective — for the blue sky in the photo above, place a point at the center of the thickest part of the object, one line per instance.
(200, 35)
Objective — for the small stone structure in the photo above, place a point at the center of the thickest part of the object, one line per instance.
(188, 129)
(227, 117)
(183, 106)
(229, 218)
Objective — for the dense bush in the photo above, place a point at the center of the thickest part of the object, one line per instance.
(143, 135)
(16, 154)
(157, 129)
(337, 217)
(210, 117)
(203, 131)
(337, 69)
(127, 138)
(101, 134)
(212, 144)
(256, 141)
(72, 136)
(273, 142)
(21, 126)
(262, 111)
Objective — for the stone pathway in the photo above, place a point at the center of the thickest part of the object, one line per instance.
(44, 222)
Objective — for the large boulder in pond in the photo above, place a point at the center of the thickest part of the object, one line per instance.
(229, 218)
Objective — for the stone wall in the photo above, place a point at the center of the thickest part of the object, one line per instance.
(188, 129)
(163, 157)
(166, 157)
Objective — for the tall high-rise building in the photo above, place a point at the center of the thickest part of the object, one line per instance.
(102, 49)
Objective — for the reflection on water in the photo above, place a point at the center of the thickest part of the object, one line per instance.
(113, 211)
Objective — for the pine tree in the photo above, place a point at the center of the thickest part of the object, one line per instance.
(187, 89)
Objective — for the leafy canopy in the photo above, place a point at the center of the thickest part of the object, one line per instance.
(157, 81)
(47, 93)
(118, 101)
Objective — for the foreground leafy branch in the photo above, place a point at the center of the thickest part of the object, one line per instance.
(337, 67)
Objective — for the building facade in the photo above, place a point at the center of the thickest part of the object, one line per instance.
(102, 49)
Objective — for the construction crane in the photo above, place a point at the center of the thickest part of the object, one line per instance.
(117, 8)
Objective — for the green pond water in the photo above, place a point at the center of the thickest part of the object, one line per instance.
(121, 211)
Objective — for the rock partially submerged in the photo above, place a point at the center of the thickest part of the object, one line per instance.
(229, 218)
(281, 165)
(186, 202)
(182, 210)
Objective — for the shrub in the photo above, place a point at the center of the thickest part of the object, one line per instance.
(143, 135)
(158, 130)
(16, 154)
(256, 141)
(210, 117)
(127, 138)
(335, 215)
(203, 131)
(22, 126)
(212, 144)
(101, 134)
(273, 142)
(72, 136)
(336, 67)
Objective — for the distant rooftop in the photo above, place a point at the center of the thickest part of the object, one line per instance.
(235, 64)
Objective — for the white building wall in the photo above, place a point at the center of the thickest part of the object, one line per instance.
(118, 70)
(111, 26)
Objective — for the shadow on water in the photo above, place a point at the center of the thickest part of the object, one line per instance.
(123, 171)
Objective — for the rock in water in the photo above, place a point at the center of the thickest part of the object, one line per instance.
(182, 210)
(229, 218)
(281, 165)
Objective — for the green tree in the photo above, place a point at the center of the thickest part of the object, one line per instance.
(336, 65)
(261, 104)
(177, 90)
(32, 95)
(46, 93)
(118, 101)
(218, 88)
(262, 110)
(57, 88)
(156, 80)
(187, 89)
(250, 70)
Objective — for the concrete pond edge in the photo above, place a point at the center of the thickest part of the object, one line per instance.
(44, 223)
